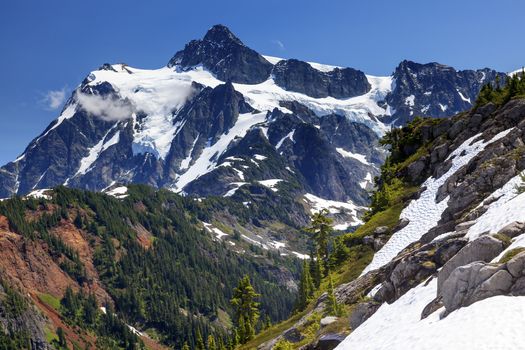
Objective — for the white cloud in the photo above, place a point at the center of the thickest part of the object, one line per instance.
(280, 44)
(54, 99)
(106, 108)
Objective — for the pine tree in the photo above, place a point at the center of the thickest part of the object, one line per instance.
(340, 252)
(246, 309)
(315, 269)
(185, 346)
(268, 322)
(211, 343)
(332, 307)
(199, 345)
(90, 309)
(306, 288)
(321, 230)
(70, 303)
(62, 342)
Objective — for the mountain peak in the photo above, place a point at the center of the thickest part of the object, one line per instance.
(221, 34)
(224, 55)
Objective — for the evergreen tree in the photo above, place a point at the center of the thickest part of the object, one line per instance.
(70, 304)
(62, 342)
(332, 307)
(315, 269)
(246, 309)
(321, 230)
(211, 343)
(268, 322)
(306, 288)
(340, 252)
(90, 310)
(199, 341)
(185, 346)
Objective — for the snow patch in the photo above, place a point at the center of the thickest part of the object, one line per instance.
(347, 154)
(463, 97)
(206, 161)
(270, 183)
(41, 193)
(120, 192)
(288, 136)
(424, 213)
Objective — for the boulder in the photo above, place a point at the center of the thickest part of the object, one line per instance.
(513, 229)
(362, 312)
(293, 335)
(516, 265)
(416, 169)
(325, 321)
(473, 282)
(329, 341)
(484, 248)
(381, 230)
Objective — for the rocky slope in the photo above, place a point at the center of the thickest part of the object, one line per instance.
(449, 273)
(221, 119)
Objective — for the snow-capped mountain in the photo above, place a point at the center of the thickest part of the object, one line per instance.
(221, 119)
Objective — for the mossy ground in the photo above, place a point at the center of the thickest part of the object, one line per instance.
(50, 300)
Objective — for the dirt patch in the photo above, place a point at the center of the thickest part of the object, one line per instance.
(144, 237)
(79, 241)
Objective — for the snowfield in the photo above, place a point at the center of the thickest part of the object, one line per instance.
(161, 92)
(495, 323)
(207, 160)
(334, 207)
(424, 213)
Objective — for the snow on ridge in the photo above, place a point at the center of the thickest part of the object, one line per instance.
(493, 323)
(68, 112)
(95, 151)
(206, 161)
(366, 181)
(424, 213)
(232, 191)
(463, 97)
(517, 71)
(288, 136)
(325, 68)
(334, 207)
(119, 192)
(347, 154)
(270, 183)
(40, 193)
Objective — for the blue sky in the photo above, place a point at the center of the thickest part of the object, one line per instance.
(48, 47)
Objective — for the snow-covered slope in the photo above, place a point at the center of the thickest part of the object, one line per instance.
(451, 276)
(494, 323)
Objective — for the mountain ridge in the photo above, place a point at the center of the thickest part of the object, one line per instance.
(164, 93)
